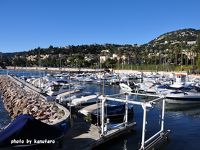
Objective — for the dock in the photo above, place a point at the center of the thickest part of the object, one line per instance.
(86, 136)
(107, 134)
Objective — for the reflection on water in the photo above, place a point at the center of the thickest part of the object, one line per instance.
(125, 145)
(186, 109)
(4, 117)
(23, 73)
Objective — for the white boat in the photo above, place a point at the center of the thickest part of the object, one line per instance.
(84, 77)
(67, 96)
(181, 81)
(124, 87)
(113, 80)
(84, 100)
(58, 88)
(164, 89)
(127, 86)
(181, 97)
(148, 87)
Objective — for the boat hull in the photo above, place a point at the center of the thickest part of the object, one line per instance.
(113, 117)
(183, 100)
(125, 87)
(25, 127)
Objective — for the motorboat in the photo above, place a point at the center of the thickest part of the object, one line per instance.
(148, 87)
(27, 127)
(84, 100)
(58, 88)
(113, 113)
(181, 81)
(127, 86)
(183, 97)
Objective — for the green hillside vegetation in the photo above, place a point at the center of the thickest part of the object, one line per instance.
(177, 50)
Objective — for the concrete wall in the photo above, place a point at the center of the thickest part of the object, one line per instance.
(54, 69)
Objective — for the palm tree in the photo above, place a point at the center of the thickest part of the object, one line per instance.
(176, 49)
(197, 51)
(193, 52)
(145, 55)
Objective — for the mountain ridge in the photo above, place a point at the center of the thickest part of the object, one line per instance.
(173, 42)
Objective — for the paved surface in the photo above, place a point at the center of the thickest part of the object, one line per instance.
(81, 136)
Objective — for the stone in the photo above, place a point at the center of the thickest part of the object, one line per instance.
(18, 100)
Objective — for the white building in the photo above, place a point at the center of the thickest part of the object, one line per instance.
(105, 55)
(191, 42)
(114, 56)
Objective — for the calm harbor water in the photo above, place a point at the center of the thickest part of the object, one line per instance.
(184, 122)
(4, 117)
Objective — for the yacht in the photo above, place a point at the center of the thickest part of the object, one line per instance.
(127, 86)
(84, 100)
(182, 97)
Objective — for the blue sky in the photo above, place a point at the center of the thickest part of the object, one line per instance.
(27, 24)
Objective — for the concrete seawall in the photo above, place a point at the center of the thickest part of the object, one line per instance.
(53, 69)
(17, 100)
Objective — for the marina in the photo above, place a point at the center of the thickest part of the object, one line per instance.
(99, 75)
(93, 136)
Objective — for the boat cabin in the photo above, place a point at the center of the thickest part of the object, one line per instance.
(180, 78)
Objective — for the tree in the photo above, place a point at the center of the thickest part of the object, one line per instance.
(198, 63)
(109, 63)
(197, 49)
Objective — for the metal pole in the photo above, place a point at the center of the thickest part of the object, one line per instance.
(126, 110)
(143, 126)
(60, 63)
(163, 115)
(162, 124)
(102, 116)
(70, 101)
(103, 83)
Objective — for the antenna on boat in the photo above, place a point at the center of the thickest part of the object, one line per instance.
(103, 88)
(70, 100)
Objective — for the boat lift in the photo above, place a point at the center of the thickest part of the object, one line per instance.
(153, 140)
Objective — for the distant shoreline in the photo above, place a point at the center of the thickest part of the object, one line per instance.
(65, 69)
(54, 69)
(59, 70)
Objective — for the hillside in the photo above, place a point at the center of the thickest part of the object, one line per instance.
(186, 38)
(183, 35)
(172, 44)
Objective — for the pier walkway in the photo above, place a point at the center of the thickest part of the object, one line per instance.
(86, 136)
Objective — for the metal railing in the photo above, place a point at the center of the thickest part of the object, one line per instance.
(145, 105)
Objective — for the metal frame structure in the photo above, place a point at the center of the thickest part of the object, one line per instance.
(145, 105)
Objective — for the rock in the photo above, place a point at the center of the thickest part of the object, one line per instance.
(35, 109)
(16, 112)
(25, 111)
(19, 101)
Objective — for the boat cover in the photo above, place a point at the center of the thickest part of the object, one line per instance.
(114, 109)
(27, 127)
